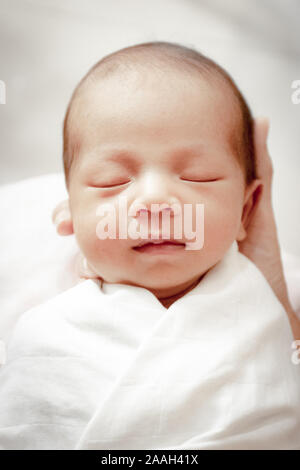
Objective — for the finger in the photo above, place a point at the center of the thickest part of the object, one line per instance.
(63, 205)
(63, 223)
(83, 268)
(61, 217)
(261, 130)
(264, 165)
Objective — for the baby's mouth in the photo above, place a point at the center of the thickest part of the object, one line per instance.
(159, 246)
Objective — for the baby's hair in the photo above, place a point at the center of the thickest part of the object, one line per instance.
(161, 57)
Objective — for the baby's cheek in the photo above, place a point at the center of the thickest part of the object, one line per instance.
(220, 227)
(98, 249)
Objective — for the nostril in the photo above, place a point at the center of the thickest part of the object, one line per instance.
(145, 210)
(155, 210)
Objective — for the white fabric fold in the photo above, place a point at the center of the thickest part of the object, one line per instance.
(106, 366)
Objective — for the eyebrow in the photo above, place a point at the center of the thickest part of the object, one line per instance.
(123, 156)
(129, 158)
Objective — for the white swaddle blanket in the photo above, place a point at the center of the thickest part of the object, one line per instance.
(106, 366)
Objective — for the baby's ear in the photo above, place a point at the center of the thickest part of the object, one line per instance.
(252, 197)
(61, 217)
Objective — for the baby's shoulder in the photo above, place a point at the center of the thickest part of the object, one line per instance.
(54, 324)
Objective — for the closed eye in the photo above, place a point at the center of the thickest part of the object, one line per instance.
(109, 186)
(202, 180)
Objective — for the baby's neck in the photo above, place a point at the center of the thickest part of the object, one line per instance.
(168, 299)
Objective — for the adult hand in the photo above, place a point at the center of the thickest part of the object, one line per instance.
(261, 244)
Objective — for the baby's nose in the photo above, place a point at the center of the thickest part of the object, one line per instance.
(156, 195)
(156, 188)
(155, 209)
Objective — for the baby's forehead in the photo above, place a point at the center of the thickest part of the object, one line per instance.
(103, 97)
(139, 75)
(100, 101)
(87, 118)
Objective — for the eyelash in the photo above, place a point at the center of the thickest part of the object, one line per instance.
(111, 186)
(182, 179)
(200, 181)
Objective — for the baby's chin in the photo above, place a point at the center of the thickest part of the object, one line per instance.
(169, 289)
(159, 284)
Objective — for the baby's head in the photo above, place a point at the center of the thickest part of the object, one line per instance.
(158, 123)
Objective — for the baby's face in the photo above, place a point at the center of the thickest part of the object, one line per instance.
(153, 141)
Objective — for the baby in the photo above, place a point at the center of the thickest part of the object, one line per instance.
(169, 346)
(159, 124)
